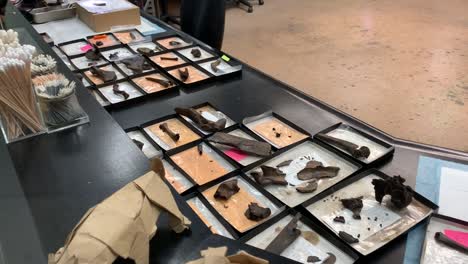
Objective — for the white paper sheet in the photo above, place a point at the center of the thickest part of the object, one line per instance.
(453, 193)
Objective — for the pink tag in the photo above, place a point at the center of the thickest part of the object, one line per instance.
(236, 154)
(86, 48)
(460, 237)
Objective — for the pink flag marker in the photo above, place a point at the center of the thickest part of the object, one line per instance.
(460, 237)
(86, 48)
(236, 154)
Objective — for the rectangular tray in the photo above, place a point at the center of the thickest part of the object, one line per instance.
(312, 241)
(381, 151)
(250, 122)
(300, 155)
(434, 252)
(379, 224)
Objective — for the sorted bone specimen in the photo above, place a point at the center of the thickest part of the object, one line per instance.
(201, 121)
(248, 146)
(353, 149)
(401, 195)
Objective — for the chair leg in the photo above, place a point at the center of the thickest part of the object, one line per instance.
(248, 4)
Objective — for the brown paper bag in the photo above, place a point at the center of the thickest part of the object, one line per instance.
(123, 224)
(218, 256)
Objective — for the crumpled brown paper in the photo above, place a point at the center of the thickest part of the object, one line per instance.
(218, 256)
(123, 224)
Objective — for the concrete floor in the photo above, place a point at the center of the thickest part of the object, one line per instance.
(401, 65)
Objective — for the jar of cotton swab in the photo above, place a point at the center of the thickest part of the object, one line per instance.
(58, 103)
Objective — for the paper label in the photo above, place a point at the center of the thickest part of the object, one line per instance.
(226, 58)
(86, 48)
(460, 237)
(236, 154)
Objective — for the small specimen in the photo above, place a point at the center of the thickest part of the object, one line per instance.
(315, 170)
(139, 144)
(252, 147)
(93, 54)
(401, 195)
(355, 205)
(339, 219)
(307, 187)
(311, 236)
(442, 238)
(353, 149)
(313, 259)
(105, 76)
(114, 56)
(174, 43)
(184, 74)
(347, 237)
(277, 134)
(287, 236)
(269, 175)
(117, 91)
(200, 149)
(201, 121)
(195, 53)
(165, 83)
(214, 65)
(331, 259)
(99, 43)
(256, 213)
(165, 128)
(170, 58)
(137, 64)
(284, 163)
(226, 190)
(146, 51)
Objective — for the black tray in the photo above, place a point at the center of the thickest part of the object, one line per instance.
(350, 181)
(375, 163)
(60, 46)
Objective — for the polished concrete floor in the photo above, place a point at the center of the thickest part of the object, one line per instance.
(401, 65)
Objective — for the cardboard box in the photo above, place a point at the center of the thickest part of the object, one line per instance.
(100, 17)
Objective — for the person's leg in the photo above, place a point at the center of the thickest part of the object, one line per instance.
(204, 19)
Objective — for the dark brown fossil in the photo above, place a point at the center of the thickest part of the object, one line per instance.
(114, 56)
(165, 83)
(170, 58)
(351, 148)
(214, 65)
(174, 43)
(105, 76)
(353, 204)
(116, 90)
(270, 171)
(347, 237)
(196, 53)
(226, 190)
(139, 144)
(200, 149)
(248, 146)
(137, 64)
(313, 259)
(339, 219)
(307, 187)
(93, 54)
(146, 51)
(442, 238)
(202, 122)
(99, 43)
(331, 259)
(285, 237)
(264, 181)
(284, 163)
(255, 212)
(165, 128)
(315, 170)
(184, 74)
(401, 195)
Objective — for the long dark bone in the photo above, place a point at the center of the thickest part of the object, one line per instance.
(353, 149)
(253, 147)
